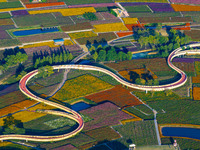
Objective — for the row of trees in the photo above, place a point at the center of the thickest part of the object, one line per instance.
(63, 57)
(109, 54)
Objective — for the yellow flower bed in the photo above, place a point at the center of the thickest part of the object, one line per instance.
(82, 34)
(50, 44)
(3, 1)
(66, 12)
(81, 86)
(130, 20)
(4, 143)
(12, 9)
(29, 115)
(110, 27)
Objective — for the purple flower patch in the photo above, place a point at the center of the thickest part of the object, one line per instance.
(19, 13)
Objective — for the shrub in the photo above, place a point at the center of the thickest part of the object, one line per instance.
(90, 16)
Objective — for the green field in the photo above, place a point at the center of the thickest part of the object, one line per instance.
(140, 133)
(33, 20)
(5, 15)
(177, 111)
(141, 8)
(15, 4)
(9, 42)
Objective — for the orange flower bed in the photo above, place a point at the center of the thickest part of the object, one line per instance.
(178, 7)
(196, 79)
(118, 95)
(16, 107)
(196, 93)
(130, 26)
(185, 27)
(121, 34)
(44, 4)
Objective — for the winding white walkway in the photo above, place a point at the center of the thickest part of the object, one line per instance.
(74, 115)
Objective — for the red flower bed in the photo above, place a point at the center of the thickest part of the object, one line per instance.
(35, 5)
(118, 95)
(121, 34)
(185, 27)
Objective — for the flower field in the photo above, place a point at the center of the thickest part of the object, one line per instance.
(9, 42)
(185, 66)
(60, 122)
(121, 34)
(117, 95)
(19, 12)
(29, 114)
(43, 37)
(35, 5)
(16, 107)
(66, 12)
(125, 73)
(78, 26)
(110, 27)
(77, 35)
(8, 5)
(50, 44)
(11, 98)
(107, 36)
(178, 7)
(105, 114)
(6, 22)
(194, 34)
(196, 79)
(68, 146)
(96, 22)
(155, 7)
(130, 20)
(153, 1)
(196, 93)
(107, 15)
(4, 35)
(93, 5)
(186, 1)
(11, 9)
(101, 134)
(81, 86)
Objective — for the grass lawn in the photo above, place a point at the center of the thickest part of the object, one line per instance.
(140, 133)
(81, 86)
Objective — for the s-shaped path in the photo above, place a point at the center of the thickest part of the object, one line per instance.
(74, 115)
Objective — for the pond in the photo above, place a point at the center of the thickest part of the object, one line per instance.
(193, 133)
(80, 106)
(139, 55)
(34, 31)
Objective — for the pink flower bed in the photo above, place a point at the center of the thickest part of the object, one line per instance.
(107, 15)
(93, 5)
(186, 1)
(106, 114)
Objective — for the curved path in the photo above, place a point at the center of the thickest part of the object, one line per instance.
(74, 115)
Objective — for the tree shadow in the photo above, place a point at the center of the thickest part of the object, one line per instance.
(133, 76)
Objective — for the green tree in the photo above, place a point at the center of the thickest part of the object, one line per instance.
(150, 82)
(141, 41)
(45, 71)
(102, 55)
(56, 59)
(90, 16)
(120, 55)
(129, 55)
(60, 58)
(70, 57)
(13, 129)
(23, 73)
(92, 48)
(65, 57)
(170, 46)
(50, 60)
(37, 62)
(95, 56)
(155, 82)
(111, 55)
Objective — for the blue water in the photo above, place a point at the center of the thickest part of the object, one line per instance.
(34, 31)
(139, 55)
(80, 106)
(181, 132)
